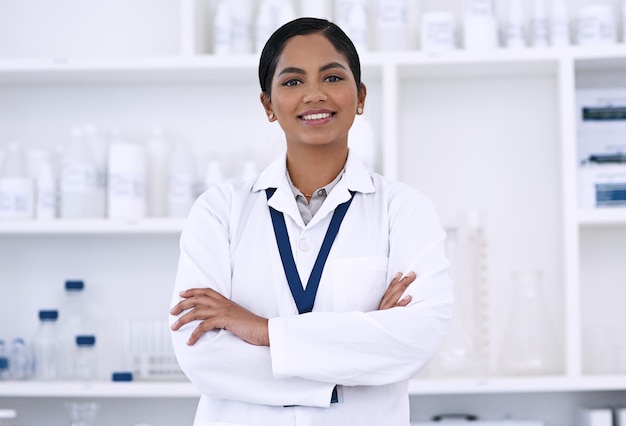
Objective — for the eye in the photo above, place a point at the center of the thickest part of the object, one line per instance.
(291, 82)
(333, 78)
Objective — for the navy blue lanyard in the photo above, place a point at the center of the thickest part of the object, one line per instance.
(305, 298)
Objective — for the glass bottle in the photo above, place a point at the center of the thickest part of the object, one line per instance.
(529, 343)
(20, 360)
(73, 322)
(85, 362)
(46, 345)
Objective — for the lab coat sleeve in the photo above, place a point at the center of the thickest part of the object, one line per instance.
(220, 364)
(379, 347)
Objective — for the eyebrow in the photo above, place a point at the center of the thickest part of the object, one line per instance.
(326, 67)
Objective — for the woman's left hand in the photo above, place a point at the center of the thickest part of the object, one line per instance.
(217, 312)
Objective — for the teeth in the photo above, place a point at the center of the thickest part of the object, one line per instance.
(319, 116)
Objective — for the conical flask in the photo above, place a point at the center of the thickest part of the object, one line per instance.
(529, 343)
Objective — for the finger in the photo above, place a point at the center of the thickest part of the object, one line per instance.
(190, 316)
(404, 301)
(200, 330)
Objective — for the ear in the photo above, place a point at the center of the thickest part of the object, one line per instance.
(267, 104)
(361, 96)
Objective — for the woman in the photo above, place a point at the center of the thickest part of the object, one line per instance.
(282, 312)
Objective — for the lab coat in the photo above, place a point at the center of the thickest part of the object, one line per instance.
(228, 244)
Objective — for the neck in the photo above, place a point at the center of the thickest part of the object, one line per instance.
(311, 168)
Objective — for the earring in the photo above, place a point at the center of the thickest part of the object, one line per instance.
(359, 110)
(271, 116)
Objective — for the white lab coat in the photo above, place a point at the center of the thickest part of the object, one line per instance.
(228, 244)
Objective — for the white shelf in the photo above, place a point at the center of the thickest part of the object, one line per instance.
(602, 217)
(91, 226)
(99, 389)
(516, 385)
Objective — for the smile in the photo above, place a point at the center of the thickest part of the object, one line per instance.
(318, 116)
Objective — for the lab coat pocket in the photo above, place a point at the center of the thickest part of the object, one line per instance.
(358, 283)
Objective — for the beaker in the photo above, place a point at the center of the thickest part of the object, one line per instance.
(529, 344)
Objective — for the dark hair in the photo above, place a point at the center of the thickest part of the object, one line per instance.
(303, 26)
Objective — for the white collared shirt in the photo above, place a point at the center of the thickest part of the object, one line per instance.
(228, 244)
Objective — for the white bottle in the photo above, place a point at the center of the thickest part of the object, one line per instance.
(127, 177)
(213, 175)
(47, 346)
(362, 142)
(46, 193)
(560, 33)
(158, 150)
(222, 29)
(242, 29)
(286, 12)
(78, 190)
(181, 181)
(438, 32)
(342, 12)
(265, 24)
(596, 25)
(16, 188)
(99, 149)
(392, 25)
(357, 25)
(85, 358)
(316, 9)
(539, 24)
(515, 33)
(480, 25)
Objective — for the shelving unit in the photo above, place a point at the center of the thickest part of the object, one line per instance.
(492, 130)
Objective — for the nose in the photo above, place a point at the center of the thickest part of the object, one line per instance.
(315, 93)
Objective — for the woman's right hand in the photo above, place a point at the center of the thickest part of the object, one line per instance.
(398, 285)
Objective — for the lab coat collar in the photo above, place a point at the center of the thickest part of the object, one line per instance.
(355, 178)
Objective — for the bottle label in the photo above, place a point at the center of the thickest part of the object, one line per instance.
(392, 14)
(78, 178)
(480, 8)
(128, 186)
(16, 198)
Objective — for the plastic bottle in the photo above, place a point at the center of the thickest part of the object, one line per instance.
(539, 24)
(20, 360)
(392, 25)
(480, 25)
(96, 140)
(16, 188)
(242, 26)
(158, 153)
(357, 25)
(316, 9)
(438, 32)
(515, 33)
(286, 12)
(213, 175)
(46, 189)
(127, 178)
(560, 33)
(5, 373)
(78, 190)
(362, 142)
(47, 346)
(596, 25)
(265, 24)
(75, 321)
(85, 359)
(529, 343)
(222, 29)
(181, 181)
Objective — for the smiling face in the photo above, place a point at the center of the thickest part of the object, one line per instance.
(314, 95)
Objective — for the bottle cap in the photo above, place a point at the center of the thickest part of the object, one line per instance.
(4, 363)
(122, 376)
(85, 340)
(74, 285)
(49, 315)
